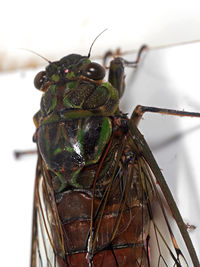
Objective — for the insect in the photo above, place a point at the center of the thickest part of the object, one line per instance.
(96, 178)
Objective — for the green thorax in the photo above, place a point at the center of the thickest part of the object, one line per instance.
(74, 122)
(79, 96)
(74, 84)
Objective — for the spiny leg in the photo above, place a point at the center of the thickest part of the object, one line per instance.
(118, 53)
(140, 110)
(18, 154)
(116, 70)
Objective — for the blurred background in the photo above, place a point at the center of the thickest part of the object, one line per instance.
(167, 77)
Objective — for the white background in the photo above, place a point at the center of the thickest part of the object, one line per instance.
(165, 78)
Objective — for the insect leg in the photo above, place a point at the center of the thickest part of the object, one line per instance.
(116, 75)
(118, 53)
(134, 64)
(140, 110)
(18, 154)
(116, 70)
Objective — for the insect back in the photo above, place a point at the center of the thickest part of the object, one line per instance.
(73, 122)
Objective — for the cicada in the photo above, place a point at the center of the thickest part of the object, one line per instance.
(96, 178)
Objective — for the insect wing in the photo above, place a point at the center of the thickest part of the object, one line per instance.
(124, 216)
(148, 157)
(46, 231)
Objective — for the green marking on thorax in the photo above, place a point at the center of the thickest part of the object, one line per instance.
(107, 85)
(57, 151)
(67, 103)
(50, 119)
(53, 88)
(74, 179)
(66, 100)
(71, 85)
(113, 91)
(70, 75)
(63, 182)
(55, 77)
(80, 139)
(106, 130)
(101, 90)
(54, 102)
(69, 149)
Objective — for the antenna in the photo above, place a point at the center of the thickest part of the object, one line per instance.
(94, 42)
(37, 54)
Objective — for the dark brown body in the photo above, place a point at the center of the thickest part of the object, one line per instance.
(126, 248)
(94, 181)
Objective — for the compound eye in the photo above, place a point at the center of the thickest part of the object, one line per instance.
(94, 71)
(40, 79)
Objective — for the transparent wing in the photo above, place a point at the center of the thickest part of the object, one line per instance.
(162, 192)
(47, 240)
(133, 219)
